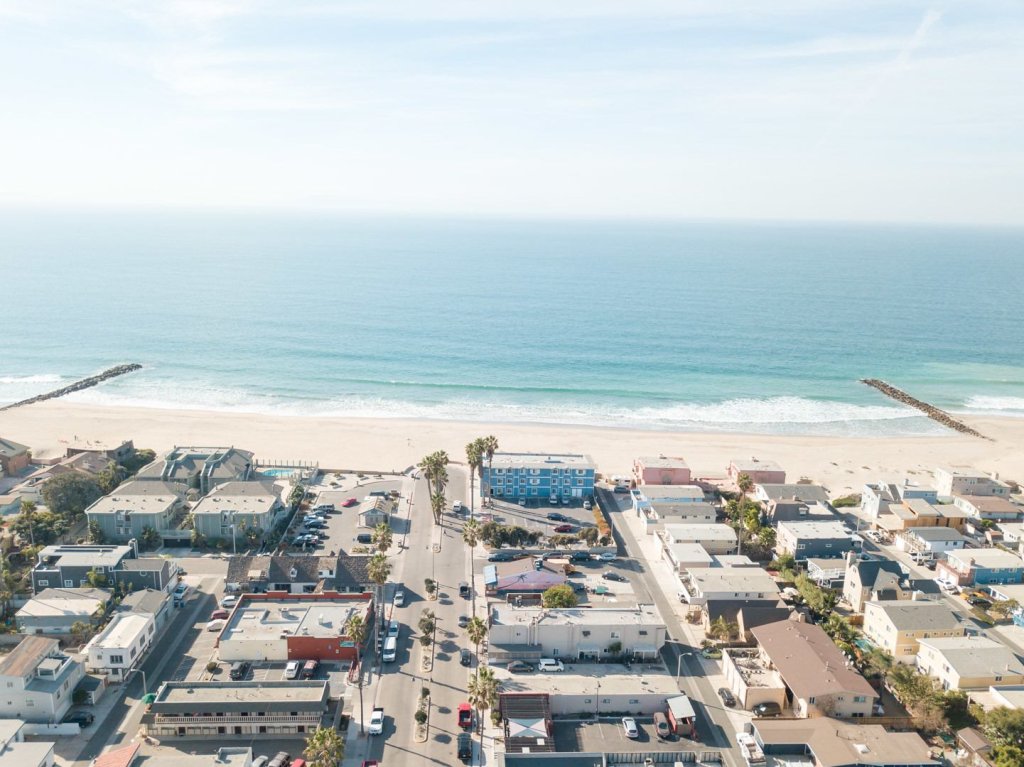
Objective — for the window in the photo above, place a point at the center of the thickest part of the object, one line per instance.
(643, 632)
(614, 635)
(41, 582)
(586, 633)
(811, 701)
(633, 701)
(117, 659)
(69, 584)
(29, 702)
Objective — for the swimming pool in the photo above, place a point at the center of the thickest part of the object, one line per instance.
(278, 472)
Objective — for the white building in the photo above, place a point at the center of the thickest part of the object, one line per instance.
(121, 645)
(16, 752)
(55, 611)
(37, 681)
(716, 539)
(963, 480)
(704, 584)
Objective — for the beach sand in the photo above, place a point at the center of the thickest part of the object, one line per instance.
(842, 464)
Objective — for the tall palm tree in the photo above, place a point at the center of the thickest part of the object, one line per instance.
(745, 484)
(476, 630)
(355, 629)
(483, 695)
(28, 508)
(490, 445)
(435, 471)
(378, 568)
(437, 504)
(382, 537)
(471, 537)
(475, 461)
(324, 748)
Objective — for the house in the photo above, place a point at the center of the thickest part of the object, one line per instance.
(759, 471)
(298, 575)
(813, 539)
(87, 464)
(538, 476)
(15, 750)
(281, 627)
(981, 567)
(968, 662)
(751, 678)
(241, 508)
(683, 513)
(917, 512)
(876, 499)
(951, 481)
(644, 498)
(237, 710)
(766, 492)
(148, 602)
(200, 468)
(660, 470)
(815, 672)
(56, 610)
(135, 506)
(14, 458)
(575, 634)
(683, 556)
(880, 579)
(707, 584)
(375, 510)
(992, 507)
(931, 540)
(831, 743)
(744, 614)
(38, 681)
(716, 539)
(119, 648)
(70, 565)
(897, 626)
(797, 511)
(117, 451)
(827, 573)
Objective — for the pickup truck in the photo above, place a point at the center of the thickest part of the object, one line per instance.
(465, 716)
(377, 721)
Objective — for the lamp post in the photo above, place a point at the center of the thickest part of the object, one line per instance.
(679, 662)
(598, 699)
(144, 686)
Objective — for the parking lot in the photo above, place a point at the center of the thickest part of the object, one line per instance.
(608, 735)
(535, 515)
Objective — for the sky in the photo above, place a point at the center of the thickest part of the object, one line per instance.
(783, 110)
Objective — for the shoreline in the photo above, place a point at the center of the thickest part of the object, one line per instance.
(842, 464)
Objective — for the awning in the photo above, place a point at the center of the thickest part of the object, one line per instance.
(589, 648)
(645, 649)
(490, 575)
(527, 728)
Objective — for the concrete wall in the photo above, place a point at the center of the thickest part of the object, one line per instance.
(319, 648)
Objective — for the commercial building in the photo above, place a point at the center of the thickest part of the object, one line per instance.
(814, 670)
(968, 663)
(813, 539)
(134, 506)
(538, 476)
(37, 681)
(981, 567)
(661, 470)
(15, 751)
(69, 566)
(280, 627)
(951, 481)
(826, 742)
(120, 647)
(238, 509)
(55, 611)
(716, 539)
(593, 689)
(584, 634)
(298, 574)
(899, 626)
(243, 710)
(759, 471)
(201, 468)
(704, 584)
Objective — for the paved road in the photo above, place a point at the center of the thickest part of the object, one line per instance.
(713, 722)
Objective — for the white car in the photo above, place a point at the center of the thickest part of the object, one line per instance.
(607, 556)
(215, 625)
(456, 507)
(630, 728)
(229, 601)
(291, 671)
(400, 598)
(377, 721)
(550, 664)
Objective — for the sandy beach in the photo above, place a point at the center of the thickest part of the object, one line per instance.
(842, 464)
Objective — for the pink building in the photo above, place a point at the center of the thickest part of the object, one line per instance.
(762, 472)
(661, 470)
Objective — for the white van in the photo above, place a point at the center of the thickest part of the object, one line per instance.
(550, 664)
(390, 649)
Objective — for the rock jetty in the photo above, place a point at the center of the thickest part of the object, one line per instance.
(85, 383)
(940, 416)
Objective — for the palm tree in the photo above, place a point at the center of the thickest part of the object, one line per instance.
(476, 630)
(382, 537)
(471, 537)
(435, 471)
(721, 628)
(483, 694)
(378, 568)
(745, 484)
(437, 504)
(324, 748)
(490, 445)
(475, 461)
(28, 508)
(355, 630)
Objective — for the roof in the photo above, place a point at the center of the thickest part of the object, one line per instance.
(756, 612)
(987, 558)
(146, 564)
(662, 462)
(215, 462)
(529, 580)
(699, 532)
(737, 579)
(84, 555)
(27, 655)
(339, 572)
(911, 615)
(144, 601)
(241, 497)
(973, 739)
(118, 757)
(312, 615)
(680, 707)
(808, 660)
(991, 504)
(226, 756)
(184, 697)
(878, 574)
(754, 464)
(138, 497)
(121, 631)
(676, 509)
(934, 534)
(975, 656)
(814, 529)
(805, 493)
(667, 492)
(839, 744)
(11, 449)
(55, 603)
(641, 615)
(542, 461)
(689, 552)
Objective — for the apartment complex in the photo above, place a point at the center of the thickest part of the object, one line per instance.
(236, 509)
(969, 663)
(70, 565)
(951, 481)
(200, 468)
(539, 476)
(120, 647)
(134, 506)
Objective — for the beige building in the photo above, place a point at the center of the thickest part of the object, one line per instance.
(969, 663)
(831, 743)
(716, 539)
(963, 480)
(752, 678)
(704, 584)
(898, 626)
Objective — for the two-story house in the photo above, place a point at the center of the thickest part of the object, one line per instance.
(898, 626)
(994, 508)
(120, 647)
(876, 499)
(70, 566)
(707, 584)
(298, 575)
(539, 477)
(759, 470)
(37, 681)
(716, 539)
(951, 481)
(766, 492)
(879, 580)
(930, 540)
(813, 539)
(238, 508)
(981, 567)
(968, 663)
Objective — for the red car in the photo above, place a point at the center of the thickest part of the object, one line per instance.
(219, 615)
(465, 716)
(564, 528)
(350, 503)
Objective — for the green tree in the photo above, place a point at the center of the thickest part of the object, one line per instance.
(435, 470)
(437, 504)
(110, 477)
(324, 748)
(68, 495)
(355, 630)
(589, 535)
(295, 497)
(378, 569)
(1003, 607)
(818, 599)
(149, 539)
(766, 537)
(7, 588)
(96, 579)
(471, 537)
(430, 585)
(723, 629)
(96, 533)
(490, 445)
(28, 508)
(912, 688)
(475, 461)
(40, 527)
(427, 625)
(559, 596)
(80, 631)
(875, 663)
(383, 537)
(1004, 726)
(785, 564)
(476, 630)
(1008, 756)
(142, 457)
(483, 695)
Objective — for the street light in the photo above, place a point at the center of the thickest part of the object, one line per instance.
(144, 686)
(679, 662)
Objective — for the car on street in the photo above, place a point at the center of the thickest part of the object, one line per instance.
(556, 517)
(394, 628)
(464, 747)
(464, 590)
(219, 615)
(463, 621)
(588, 505)
(564, 528)
(456, 507)
(579, 556)
(550, 664)
(711, 653)
(377, 721)
(400, 598)
(465, 716)
(239, 669)
(629, 727)
(229, 601)
(613, 576)
(465, 657)
(502, 556)
(291, 670)
(260, 761)
(522, 502)
(519, 667)
(607, 556)
(348, 503)
(727, 697)
(81, 718)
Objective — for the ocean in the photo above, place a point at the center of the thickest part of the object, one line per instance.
(704, 326)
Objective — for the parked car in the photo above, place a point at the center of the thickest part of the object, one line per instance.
(611, 575)
(309, 669)
(377, 721)
(587, 504)
(219, 615)
(629, 727)
(553, 500)
(579, 556)
(239, 669)
(465, 657)
(556, 517)
(661, 726)
(550, 664)
(260, 761)
(312, 523)
(394, 628)
(502, 556)
(456, 507)
(522, 502)
(349, 503)
(464, 590)
(465, 716)
(519, 667)
(215, 625)
(711, 653)
(767, 709)
(229, 601)
(564, 528)
(282, 759)
(727, 697)
(978, 602)
(463, 621)
(364, 538)
(400, 598)
(464, 747)
(607, 556)
(81, 718)
(291, 669)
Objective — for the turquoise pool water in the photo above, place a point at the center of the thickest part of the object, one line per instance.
(278, 472)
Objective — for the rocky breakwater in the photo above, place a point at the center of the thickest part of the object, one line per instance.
(937, 415)
(84, 383)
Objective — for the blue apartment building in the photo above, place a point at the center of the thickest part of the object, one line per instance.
(538, 476)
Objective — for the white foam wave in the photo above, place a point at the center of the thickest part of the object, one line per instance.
(990, 404)
(33, 379)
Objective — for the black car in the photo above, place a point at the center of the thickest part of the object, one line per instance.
(556, 517)
(81, 718)
(727, 697)
(767, 709)
(364, 538)
(464, 746)
(239, 669)
(519, 667)
(502, 556)
(580, 556)
(978, 602)
(465, 657)
(613, 576)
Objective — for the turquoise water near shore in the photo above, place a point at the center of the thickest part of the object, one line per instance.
(702, 326)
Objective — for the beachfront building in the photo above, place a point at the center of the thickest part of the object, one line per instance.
(38, 681)
(706, 584)
(583, 634)
(70, 566)
(376, 510)
(55, 611)
(758, 470)
(682, 514)
(981, 567)
(930, 540)
(120, 647)
(879, 580)
(875, 499)
(765, 493)
(995, 508)
(87, 464)
(951, 481)
(14, 458)
(814, 670)
(200, 468)
(539, 476)
(263, 710)
(796, 511)
(282, 627)
(968, 662)
(898, 626)
(238, 509)
(660, 470)
(135, 506)
(827, 742)
(298, 574)
(716, 539)
(817, 539)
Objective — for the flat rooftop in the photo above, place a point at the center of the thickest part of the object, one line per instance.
(139, 496)
(699, 532)
(295, 691)
(243, 497)
(662, 462)
(121, 631)
(582, 679)
(807, 529)
(989, 558)
(641, 615)
(745, 579)
(259, 620)
(542, 461)
(754, 671)
(654, 493)
(754, 464)
(86, 555)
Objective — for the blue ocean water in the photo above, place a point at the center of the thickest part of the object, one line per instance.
(707, 326)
